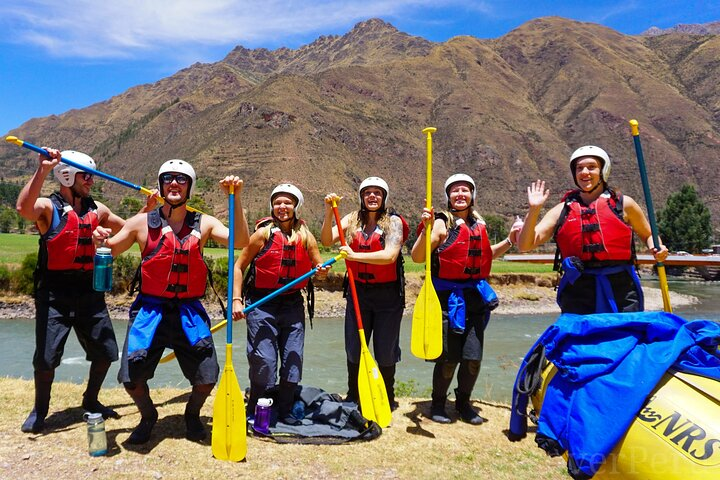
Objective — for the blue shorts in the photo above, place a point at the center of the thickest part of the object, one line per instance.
(199, 365)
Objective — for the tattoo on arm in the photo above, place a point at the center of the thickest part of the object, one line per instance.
(394, 238)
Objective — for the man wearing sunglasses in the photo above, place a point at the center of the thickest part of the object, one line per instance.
(167, 313)
(64, 296)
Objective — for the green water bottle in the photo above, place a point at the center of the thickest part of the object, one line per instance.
(97, 438)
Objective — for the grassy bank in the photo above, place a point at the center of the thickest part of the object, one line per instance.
(412, 448)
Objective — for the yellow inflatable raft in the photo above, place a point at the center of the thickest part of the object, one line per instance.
(675, 436)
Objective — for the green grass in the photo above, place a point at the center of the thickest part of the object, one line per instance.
(15, 246)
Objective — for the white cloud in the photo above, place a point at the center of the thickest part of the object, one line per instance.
(126, 28)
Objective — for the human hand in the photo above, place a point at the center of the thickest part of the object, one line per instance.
(152, 200)
(515, 229)
(237, 309)
(322, 271)
(46, 164)
(329, 200)
(660, 254)
(100, 235)
(537, 194)
(231, 180)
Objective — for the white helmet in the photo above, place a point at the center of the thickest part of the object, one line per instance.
(178, 166)
(65, 174)
(459, 177)
(291, 190)
(374, 182)
(592, 151)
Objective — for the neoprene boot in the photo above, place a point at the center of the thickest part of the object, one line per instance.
(352, 394)
(466, 411)
(286, 398)
(437, 409)
(140, 393)
(194, 428)
(388, 374)
(35, 422)
(98, 371)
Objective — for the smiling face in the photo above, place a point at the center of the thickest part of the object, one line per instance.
(460, 195)
(372, 198)
(283, 207)
(175, 187)
(588, 173)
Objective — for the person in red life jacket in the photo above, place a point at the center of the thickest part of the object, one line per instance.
(167, 312)
(593, 227)
(461, 260)
(375, 235)
(278, 253)
(64, 295)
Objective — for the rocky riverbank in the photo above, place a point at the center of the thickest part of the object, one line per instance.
(518, 294)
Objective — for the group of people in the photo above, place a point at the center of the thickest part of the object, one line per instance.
(593, 227)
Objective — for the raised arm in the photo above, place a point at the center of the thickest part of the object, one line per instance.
(219, 232)
(533, 233)
(437, 235)
(29, 203)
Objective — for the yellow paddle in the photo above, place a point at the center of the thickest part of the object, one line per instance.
(374, 402)
(426, 332)
(651, 213)
(229, 430)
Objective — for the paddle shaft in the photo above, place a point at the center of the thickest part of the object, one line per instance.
(651, 212)
(231, 260)
(428, 202)
(84, 168)
(351, 277)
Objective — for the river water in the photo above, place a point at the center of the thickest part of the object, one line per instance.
(508, 337)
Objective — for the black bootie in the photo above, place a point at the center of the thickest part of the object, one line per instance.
(140, 393)
(438, 413)
(194, 428)
(466, 411)
(35, 422)
(98, 372)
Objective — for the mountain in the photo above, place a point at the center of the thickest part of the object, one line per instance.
(712, 28)
(328, 114)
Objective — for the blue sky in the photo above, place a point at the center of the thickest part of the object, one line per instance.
(59, 55)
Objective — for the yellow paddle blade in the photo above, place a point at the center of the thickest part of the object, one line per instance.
(374, 402)
(229, 431)
(426, 332)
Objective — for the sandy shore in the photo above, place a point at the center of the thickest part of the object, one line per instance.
(518, 294)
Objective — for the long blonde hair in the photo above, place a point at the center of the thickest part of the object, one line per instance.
(473, 213)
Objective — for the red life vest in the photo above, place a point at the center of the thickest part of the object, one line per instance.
(69, 245)
(594, 233)
(465, 254)
(280, 262)
(368, 272)
(173, 265)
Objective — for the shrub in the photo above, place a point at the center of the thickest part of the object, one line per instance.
(22, 278)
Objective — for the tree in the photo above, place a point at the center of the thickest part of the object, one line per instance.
(497, 227)
(684, 223)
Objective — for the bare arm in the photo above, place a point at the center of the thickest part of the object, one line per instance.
(215, 228)
(134, 231)
(634, 216)
(108, 219)
(29, 203)
(393, 244)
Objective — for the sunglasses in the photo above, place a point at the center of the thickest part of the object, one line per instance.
(180, 178)
(86, 176)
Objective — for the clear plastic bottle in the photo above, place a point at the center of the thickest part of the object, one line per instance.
(97, 438)
(102, 270)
